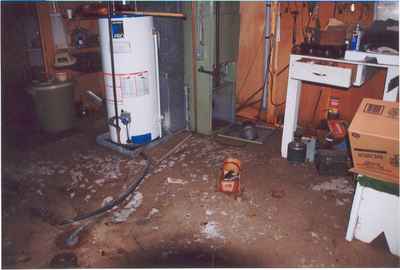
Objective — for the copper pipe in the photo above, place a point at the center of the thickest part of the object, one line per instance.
(154, 14)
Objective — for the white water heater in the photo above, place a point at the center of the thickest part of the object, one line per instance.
(136, 78)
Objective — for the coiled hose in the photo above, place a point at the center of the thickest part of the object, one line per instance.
(131, 188)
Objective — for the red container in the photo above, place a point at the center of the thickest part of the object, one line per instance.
(229, 180)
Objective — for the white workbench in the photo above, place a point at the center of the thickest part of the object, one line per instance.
(336, 76)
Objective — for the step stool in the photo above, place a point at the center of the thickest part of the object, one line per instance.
(375, 210)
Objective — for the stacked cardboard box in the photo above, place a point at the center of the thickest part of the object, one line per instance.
(374, 140)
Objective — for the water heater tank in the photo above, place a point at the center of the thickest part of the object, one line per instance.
(136, 78)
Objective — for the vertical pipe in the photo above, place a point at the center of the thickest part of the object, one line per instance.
(113, 73)
(217, 38)
(187, 108)
(155, 37)
(194, 61)
(266, 56)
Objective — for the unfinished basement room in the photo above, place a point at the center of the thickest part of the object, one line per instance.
(197, 134)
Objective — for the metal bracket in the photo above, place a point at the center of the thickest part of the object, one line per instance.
(210, 72)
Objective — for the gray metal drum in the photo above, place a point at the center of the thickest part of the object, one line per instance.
(54, 105)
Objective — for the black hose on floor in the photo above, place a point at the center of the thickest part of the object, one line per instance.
(131, 188)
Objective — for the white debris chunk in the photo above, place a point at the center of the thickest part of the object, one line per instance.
(340, 185)
(100, 181)
(152, 212)
(178, 181)
(211, 231)
(314, 235)
(339, 202)
(224, 213)
(209, 212)
(171, 163)
(123, 214)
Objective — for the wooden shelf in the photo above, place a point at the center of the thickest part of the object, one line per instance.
(74, 50)
(84, 50)
(81, 18)
(33, 49)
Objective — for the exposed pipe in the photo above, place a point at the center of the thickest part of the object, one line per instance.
(155, 39)
(217, 37)
(154, 14)
(118, 128)
(266, 56)
(194, 61)
(187, 107)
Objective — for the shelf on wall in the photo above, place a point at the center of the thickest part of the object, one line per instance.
(33, 49)
(74, 50)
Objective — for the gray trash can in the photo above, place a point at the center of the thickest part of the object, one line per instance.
(54, 105)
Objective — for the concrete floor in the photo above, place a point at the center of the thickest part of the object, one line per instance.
(288, 216)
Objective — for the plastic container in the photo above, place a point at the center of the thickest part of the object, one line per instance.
(61, 76)
(356, 38)
(54, 105)
(229, 180)
(297, 151)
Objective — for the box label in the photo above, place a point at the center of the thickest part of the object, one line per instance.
(374, 108)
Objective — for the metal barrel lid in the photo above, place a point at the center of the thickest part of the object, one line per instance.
(50, 85)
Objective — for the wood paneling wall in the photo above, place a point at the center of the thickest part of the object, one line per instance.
(251, 32)
(46, 36)
(250, 63)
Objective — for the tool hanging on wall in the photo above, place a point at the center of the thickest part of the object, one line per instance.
(294, 13)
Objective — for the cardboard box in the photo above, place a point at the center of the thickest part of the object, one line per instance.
(334, 33)
(374, 140)
(333, 36)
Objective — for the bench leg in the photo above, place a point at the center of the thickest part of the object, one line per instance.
(354, 212)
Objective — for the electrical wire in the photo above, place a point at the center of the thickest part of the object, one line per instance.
(248, 105)
(316, 107)
(271, 80)
(251, 67)
(245, 104)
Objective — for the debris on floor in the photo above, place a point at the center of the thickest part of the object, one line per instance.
(183, 216)
(152, 212)
(123, 214)
(278, 193)
(340, 185)
(171, 180)
(211, 230)
(64, 260)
